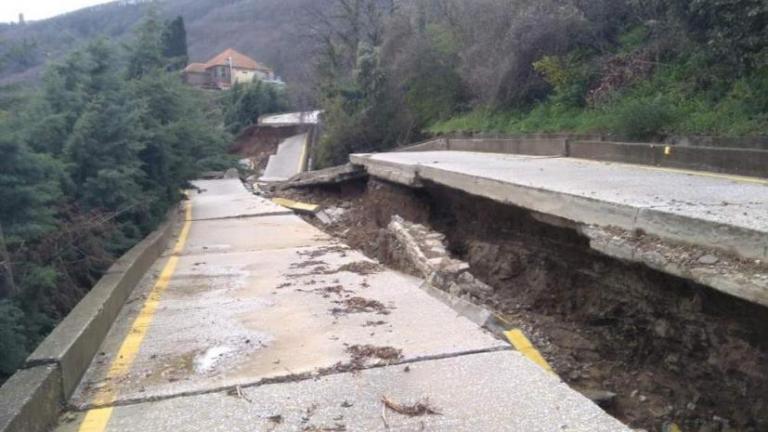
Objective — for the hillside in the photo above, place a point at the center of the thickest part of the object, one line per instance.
(263, 29)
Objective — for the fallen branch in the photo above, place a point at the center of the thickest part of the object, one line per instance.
(418, 409)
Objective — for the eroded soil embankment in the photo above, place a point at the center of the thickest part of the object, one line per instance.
(671, 350)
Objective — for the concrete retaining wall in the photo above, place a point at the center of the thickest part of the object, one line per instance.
(32, 398)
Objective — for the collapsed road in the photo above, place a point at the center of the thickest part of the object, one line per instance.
(664, 333)
(257, 321)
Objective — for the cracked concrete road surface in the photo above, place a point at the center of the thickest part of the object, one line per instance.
(288, 161)
(254, 330)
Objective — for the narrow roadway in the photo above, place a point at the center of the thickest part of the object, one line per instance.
(288, 161)
(249, 322)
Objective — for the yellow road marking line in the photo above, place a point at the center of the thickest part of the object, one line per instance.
(731, 177)
(96, 420)
(736, 178)
(296, 205)
(526, 348)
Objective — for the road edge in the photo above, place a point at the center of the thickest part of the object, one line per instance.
(33, 398)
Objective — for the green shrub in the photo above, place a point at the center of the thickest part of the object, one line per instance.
(643, 119)
(13, 348)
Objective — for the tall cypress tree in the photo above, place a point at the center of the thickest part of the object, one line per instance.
(175, 44)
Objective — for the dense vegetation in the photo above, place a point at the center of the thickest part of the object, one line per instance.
(91, 161)
(387, 70)
(244, 103)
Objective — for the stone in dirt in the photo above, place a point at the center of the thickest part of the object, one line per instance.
(335, 175)
(709, 260)
(427, 252)
(231, 173)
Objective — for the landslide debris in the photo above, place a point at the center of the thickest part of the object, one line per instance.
(359, 305)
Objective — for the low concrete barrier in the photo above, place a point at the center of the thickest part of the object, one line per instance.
(748, 162)
(32, 398)
(738, 161)
(440, 144)
(517, 145)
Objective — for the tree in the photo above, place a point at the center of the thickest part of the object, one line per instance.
(245, 103)
(175, 44)
(146, 51)
(29, 185)
(88, 167)
(102, 153)
(13, 342)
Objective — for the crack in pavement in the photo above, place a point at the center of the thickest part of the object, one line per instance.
(276, 249)
(284, 379)
(246, 216)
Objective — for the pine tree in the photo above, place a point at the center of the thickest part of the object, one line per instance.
(29, 185)
(146, 51)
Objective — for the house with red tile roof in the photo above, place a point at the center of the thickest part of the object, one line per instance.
(225, 69)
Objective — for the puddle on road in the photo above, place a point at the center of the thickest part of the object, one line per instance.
(207, 361)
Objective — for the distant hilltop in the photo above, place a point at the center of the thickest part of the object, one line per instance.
(260, 29)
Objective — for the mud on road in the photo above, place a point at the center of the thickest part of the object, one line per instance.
(670, 350)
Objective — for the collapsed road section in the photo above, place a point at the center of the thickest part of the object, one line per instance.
(256, 320)
(656, 348)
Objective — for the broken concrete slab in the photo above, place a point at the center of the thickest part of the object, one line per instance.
(712, 210)
(219, 199)
(427, 252)
(494, 391)
(330, 215)
(298, 207)
(709, 211)
(746, 279)
(329, 176)
(289, 160)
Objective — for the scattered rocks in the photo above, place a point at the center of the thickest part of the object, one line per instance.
(603, 398)
(364, 268)
(331, 215)
(231, 173)
(709, 260)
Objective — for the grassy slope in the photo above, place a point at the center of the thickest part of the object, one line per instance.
(668, 103)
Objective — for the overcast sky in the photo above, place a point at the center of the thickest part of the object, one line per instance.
(39, 9)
